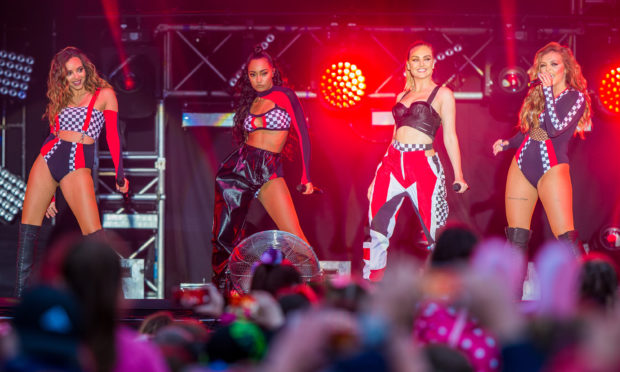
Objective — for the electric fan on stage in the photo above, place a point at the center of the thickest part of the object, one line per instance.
(249, 251)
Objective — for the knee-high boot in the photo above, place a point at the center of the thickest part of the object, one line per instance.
(572, 238)
(98, 236)
(519, 237)
(26, 252)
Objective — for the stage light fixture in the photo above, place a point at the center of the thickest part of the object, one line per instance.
(15, 70)
(609, 90)
(609, 238)
(512, 79)
(343, 85)
(12, 191)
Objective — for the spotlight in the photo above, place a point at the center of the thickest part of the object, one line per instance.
(12, 191)
(342, 85)
(609, 90)
(16, 69)
(512, 79)
(609, 238)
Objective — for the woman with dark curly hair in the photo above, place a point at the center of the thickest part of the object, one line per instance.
(80, 104)
(550, 115)
(265, 113)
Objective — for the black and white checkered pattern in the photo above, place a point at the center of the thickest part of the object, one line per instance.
(550, 102)
(277, 119)
(274, 119)
(544, 156)
(72, 156)
(51, 151)
(72, 119)
(441, 204)
(520, 159)
(406, 147)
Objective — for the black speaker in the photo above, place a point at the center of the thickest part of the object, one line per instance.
(136, 79)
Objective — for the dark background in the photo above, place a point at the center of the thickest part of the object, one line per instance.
(346, 150)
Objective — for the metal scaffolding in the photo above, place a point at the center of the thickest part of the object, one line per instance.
(152, 195)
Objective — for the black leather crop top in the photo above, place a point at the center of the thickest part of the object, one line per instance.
(419, 115)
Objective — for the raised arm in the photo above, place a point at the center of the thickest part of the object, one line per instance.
(563, 115)
(110, 113)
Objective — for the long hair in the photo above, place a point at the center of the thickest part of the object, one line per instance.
(534, 102)
(58, 90)
(409, 81)
(247, 94)
(92, 271)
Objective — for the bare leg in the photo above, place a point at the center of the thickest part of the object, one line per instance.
(556, 194)
(276, 199)
(39, 192)
(520, 198)
(79, 191)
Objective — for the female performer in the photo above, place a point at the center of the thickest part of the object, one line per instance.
(265, 113)
(80, 104)
(550, 114)
(410, 167)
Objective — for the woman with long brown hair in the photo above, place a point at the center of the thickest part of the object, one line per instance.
(80, 104)
(264, 115)
(410, 167)
(550, 115)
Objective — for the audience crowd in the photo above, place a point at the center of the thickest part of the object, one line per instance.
(461, 310)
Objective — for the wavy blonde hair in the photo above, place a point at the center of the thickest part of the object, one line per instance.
(58, 90)
(534, 102)
(410, 83)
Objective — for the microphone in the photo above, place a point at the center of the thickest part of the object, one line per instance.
(534, 83)
(302, 188)
(457, 187)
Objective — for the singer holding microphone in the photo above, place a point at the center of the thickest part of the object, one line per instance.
(80, 105)
(556, 107)
(265, 113)
(410, 167)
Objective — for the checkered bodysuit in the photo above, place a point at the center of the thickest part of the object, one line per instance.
(243, 173)
(547, 145)
(405, 172)
(63, 157)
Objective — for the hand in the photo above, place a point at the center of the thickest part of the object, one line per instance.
(125, 187)
(464, 185)
(269, 313)
(51, 211)
(215, 306)
(546, 78)
(498, 146)
(309, 189)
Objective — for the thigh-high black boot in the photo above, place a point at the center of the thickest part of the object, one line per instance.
(26, 252)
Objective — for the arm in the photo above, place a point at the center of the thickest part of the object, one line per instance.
(512, 143)
(301, 126)
(565, 115)
(447, 113)
(110, 113)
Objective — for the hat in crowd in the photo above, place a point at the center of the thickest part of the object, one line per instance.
(239, 341)
(48, 325)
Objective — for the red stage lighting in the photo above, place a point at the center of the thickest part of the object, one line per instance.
(343, 85)
(609, 90)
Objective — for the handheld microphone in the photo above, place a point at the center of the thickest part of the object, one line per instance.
(457, 187)
(534, 83)
(302, 188)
